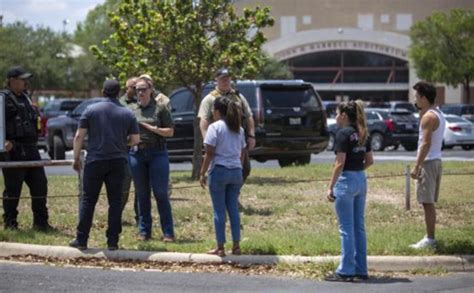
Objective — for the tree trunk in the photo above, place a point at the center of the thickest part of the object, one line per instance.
(467, 91)
(197, 155)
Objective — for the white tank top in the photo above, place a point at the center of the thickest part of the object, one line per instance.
(436, 138)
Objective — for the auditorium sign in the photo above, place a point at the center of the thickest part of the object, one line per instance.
(341, 45)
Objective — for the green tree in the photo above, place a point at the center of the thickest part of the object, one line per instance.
(274, 69)
(443, 48)
(39, 50)
(92, 32)
(183, 43)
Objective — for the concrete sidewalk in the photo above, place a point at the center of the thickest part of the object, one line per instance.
(452, 263)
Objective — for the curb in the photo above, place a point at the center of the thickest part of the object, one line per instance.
(452, 263)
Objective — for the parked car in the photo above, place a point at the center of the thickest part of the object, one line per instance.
(61, 130)
(458, 132)
(394, 105)
(379, 131)
(330, 107)
(464, 110)
(41, 129)
(59, 107)
(402, 124)
(290, 122)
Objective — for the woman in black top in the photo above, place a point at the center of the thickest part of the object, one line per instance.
(348, 189)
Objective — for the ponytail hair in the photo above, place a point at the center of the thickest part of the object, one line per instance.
(361, 122)
(230, 111)
(355, 111)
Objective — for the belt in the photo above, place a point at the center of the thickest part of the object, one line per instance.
(149, 145)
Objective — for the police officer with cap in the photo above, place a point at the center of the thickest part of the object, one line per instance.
(20, 145)
(224, 89)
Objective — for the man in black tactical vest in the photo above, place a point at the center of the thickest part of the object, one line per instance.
(21, 122)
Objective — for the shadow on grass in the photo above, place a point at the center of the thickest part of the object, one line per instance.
(267, 249)
(273, 180)
(456, 246)
(29, 234)
(250, 211)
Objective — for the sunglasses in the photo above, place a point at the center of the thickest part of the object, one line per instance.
(141, 89)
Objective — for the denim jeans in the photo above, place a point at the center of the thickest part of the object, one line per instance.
(127, 182)
(224, 186)
(350, 192)
(150, 169)
(112, 173)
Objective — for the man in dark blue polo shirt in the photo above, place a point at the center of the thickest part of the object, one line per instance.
(110, 128)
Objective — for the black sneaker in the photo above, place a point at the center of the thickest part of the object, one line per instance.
(11, 226)
(44, 228)
(362, 277)
(335, 277)
(112, 247)
(76, 244)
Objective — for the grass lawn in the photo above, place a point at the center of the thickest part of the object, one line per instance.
(285, 212)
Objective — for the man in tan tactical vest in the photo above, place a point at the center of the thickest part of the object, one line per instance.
(224, 89)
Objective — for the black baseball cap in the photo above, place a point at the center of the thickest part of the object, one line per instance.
(111, 88)
(223, 72)
(18, 72)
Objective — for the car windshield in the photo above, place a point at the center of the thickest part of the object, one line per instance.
(69, 105)
(79, 109)
(407, 106)
(286, 97)
(456, 120)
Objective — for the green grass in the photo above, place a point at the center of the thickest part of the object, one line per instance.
(285, 212)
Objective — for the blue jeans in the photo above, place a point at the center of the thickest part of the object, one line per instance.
(150, 169)
(350, 192)
(224, 186)
(112, 173)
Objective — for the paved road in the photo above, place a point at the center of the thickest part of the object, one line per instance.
(456, 154)
(17, 277)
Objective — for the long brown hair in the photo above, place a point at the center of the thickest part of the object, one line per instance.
(231, 112)
(355, 111)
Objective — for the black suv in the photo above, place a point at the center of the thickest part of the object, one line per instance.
(61, 130)
(290, 122)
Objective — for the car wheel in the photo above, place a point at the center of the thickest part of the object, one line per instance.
(303, 160)
(410, 147)
(377, 142)
(58, 152)
(330, 146)
(467, 147)
(285, 162)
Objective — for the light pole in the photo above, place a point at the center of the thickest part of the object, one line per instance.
(65, 23)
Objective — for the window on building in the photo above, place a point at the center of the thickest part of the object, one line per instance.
(366, 21)
(307, 19)
(385, 18)
(404, 22)
(287, 25)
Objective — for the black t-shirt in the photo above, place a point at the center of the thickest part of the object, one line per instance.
(347, 141)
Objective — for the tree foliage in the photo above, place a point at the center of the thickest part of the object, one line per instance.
(274, 69)
(39, 50)
(443, 48)
(92, 32)
(184, 43)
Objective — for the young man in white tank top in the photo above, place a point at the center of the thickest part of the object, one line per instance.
(427, 171)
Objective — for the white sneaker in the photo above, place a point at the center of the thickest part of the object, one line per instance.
(424, 243)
